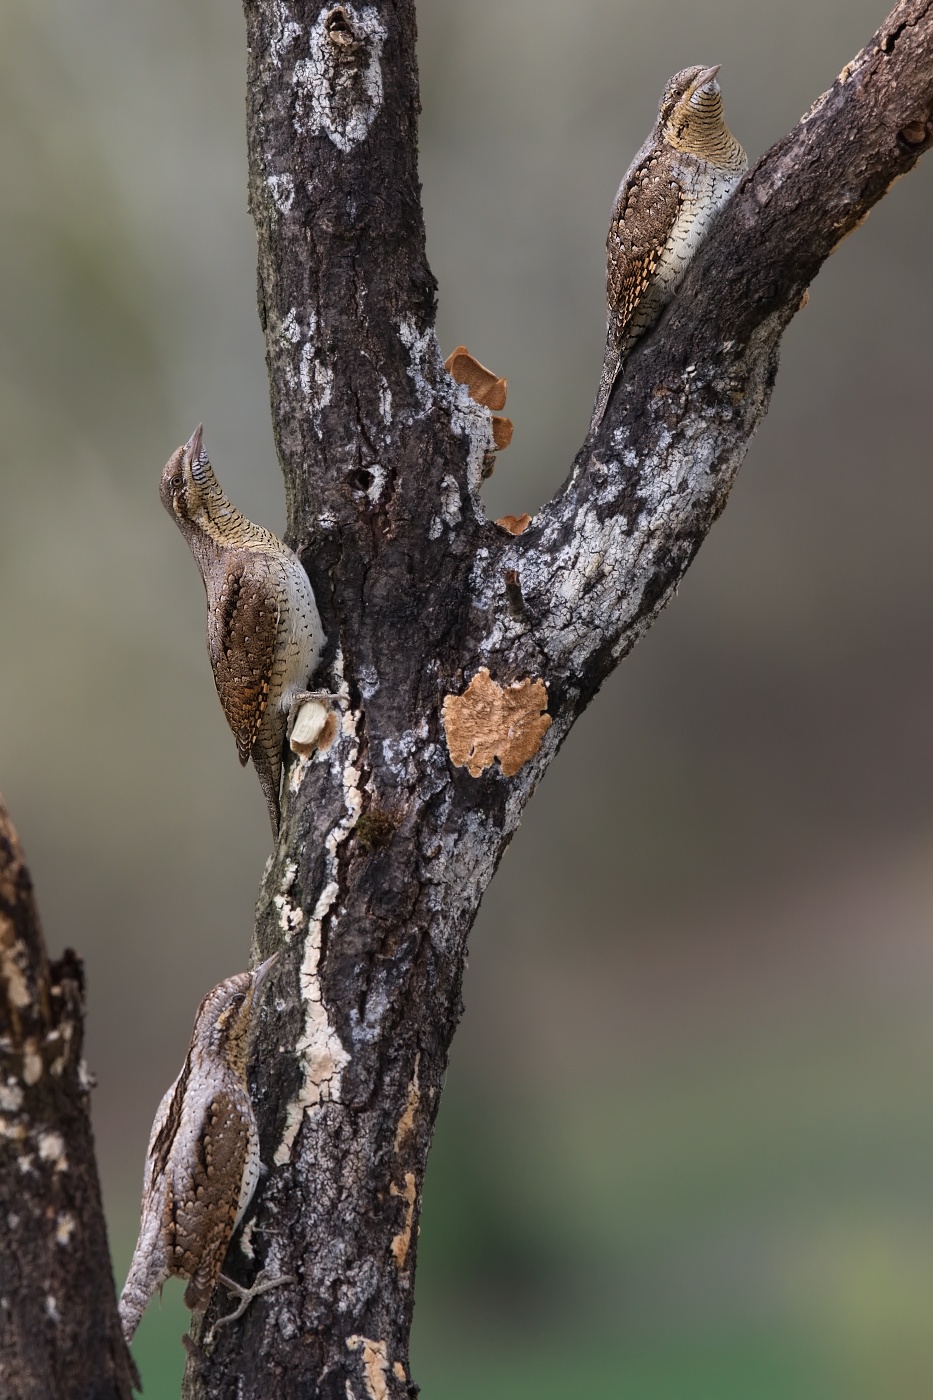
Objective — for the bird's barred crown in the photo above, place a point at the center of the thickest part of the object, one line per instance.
(189, 488)
(195, 499)
(222, 1024)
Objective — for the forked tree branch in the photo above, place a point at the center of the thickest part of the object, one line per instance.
(448, 636)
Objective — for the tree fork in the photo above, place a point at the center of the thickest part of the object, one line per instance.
(449, 637)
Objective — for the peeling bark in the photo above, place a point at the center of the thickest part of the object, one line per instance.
(387, 845)
(59, 1330)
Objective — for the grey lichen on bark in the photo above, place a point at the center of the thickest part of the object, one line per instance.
(388, 838)
(59, 1330)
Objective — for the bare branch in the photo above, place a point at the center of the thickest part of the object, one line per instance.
(599, 563)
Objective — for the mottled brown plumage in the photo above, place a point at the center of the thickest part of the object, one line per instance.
(202, 1163)
(264, 634)
(670, 195)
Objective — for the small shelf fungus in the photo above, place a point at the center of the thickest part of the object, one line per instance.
(515, 524)
(486, 389)
(489, 722)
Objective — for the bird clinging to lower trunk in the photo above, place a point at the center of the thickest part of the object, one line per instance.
(264, 633)
(671, 193)
(202, 1163)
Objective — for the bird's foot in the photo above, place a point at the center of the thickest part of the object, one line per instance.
(246, 1296)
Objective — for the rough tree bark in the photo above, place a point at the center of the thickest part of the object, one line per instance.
(387, 846)
(59, 1330)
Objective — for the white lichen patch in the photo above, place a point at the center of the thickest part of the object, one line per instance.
(424, 359)
(338, 86)
(32, 1062)
(282, 189)
(470, 420)
(290, 331)
(302, 368)
(64, 1228)
(284, 32)
(317, 380)
(51, 1308)
(377, 485)
(411, 758)
(291, 915)
(450, 501)
(61, 1039)
(319, 1047)
(368, 681)
(576, 573)
(52, 1149)
(11, 1097)
(375, 1358)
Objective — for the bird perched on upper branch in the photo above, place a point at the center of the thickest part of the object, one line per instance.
(202, 1163)
(264, 633)
(671, 193)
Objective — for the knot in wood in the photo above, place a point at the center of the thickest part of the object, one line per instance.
(914, 134)
(339, 30)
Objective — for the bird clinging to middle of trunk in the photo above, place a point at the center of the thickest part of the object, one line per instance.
(668, 199)
(264, 633)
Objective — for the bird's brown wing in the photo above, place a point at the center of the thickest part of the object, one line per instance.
(642, 220)
(241, 635)
(203, 1205)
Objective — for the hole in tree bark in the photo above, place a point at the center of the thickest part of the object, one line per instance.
(914, 134)
(339, 30)
(361, 479)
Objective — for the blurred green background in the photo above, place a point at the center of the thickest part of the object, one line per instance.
(686, 1146)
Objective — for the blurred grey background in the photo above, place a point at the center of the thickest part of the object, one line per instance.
(686, 1147)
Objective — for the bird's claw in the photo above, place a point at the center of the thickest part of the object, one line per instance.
(246, 1296)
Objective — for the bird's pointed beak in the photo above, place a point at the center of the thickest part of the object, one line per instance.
(193, 445)
(707, 78)
(262, 971)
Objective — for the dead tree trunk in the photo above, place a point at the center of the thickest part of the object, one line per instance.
(464, 653)
(59, 1330)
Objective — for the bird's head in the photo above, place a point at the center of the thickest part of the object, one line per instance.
(690, 116)
(189, 489)
(225, 1017)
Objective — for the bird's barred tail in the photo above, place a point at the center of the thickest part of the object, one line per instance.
(145, 1276)
(606, 380)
